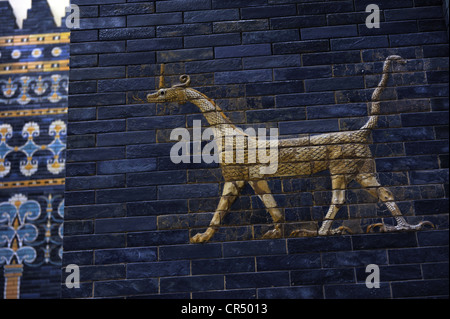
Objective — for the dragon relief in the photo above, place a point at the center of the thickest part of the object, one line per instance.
(345, 154)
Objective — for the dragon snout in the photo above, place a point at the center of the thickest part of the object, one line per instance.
(152, 97)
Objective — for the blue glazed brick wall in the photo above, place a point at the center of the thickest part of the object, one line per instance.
(302, 66)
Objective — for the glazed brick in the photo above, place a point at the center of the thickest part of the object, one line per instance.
(402, 134)
(433, 238)
(420, 288)
(97, 47)
(249, 76)
(80, 169)
(184, 55)
(268, 11)
(322, 276)
(218, 4)
(328, 32)
(148, 150)
(100, 211)
(180, 252)
(348, 18)
(107, 272)
(388, 28)
(437, 50)
(154, 44)
(242, 51)
(126, 166)
(211, 15)
(127, 224)
(262, 116)
(97, 73)
(379, 241)
(431, 206)
(83, 61)
(125, 138)
(125, 255)
(301, 46)
(94, 154)
(310, 126)
(102, 23)
(97, 2)
(359, 291)
(288, 262)
(331, 58)
(80, 87)
(126, 59)
(183, 30)
(78, 228)
(422, 119)
(125, 111)
(96, 127)
(361, 5)
(318, 244)
(413, 13)
(340, 110)
(255, 248)
(418, 38)
(80, 141)
(120, 85)
(302, 73)
(426, 147)
(250, 280)
(324, 7)
(226, 294)
(359, 43)
(85, 291)
(222, 266)
(320, 85)
(187, 191)
(273, 88)
(154, 19)
(157, 207)
(157, 269)
(126, 9)
(304, 21)
(153, 238)
(429, 177)
(240, 26)
(210, 40)
(83, 100)
(304, 99)
(94, 182)
(418, 255)
(192, 283)
(392, 273)
(305, 292)
(406, 163)
(126, 33)
(78, 258)
(270, 36)
(354, 258)
(182, 5)
(125, 287)
(83, 36)
(126, 195)
(156, 178)
(79, 198)
(213, 66)
(434, 271)
(87, 242)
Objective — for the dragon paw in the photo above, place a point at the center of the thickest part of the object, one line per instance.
(273, 233)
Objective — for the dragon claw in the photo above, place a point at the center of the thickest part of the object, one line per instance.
(400, 227)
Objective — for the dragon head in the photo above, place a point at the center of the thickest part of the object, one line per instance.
(176, 93)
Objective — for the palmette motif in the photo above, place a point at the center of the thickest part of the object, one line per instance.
(346, 155)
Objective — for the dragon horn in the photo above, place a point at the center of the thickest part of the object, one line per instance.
(161, 77)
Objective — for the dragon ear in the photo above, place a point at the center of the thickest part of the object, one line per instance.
(161, 77)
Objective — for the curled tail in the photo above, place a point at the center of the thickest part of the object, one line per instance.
(375, 105)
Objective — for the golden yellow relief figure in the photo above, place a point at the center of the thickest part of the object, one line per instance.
(345, 154)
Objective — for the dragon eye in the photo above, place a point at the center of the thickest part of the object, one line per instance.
(162, 92)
